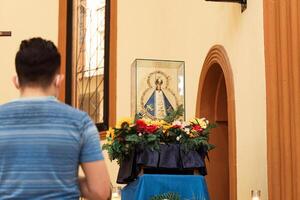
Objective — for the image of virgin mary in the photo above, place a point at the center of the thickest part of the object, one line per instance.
(158, 104)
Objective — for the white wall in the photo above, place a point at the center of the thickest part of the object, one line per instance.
(25, 18)
(185, 30)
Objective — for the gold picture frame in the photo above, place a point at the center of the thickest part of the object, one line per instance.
(158, 87)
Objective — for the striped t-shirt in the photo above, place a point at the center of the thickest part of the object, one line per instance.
(42, 143)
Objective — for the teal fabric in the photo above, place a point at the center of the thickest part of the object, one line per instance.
(42, 143)
(189, 187)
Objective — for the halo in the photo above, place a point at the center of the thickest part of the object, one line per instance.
(160, 74)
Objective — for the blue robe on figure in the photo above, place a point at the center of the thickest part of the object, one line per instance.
(158, 104)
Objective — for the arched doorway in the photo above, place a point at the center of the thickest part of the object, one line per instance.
(216, 102)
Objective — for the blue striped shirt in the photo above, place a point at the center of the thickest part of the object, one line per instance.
(42, 143)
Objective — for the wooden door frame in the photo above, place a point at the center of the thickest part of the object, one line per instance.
(217, 55)
(62, 46)
(62, 43)
(282, 50)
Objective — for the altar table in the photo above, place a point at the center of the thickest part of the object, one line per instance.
(189, 187)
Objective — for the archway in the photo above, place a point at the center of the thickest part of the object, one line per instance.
(215, 101)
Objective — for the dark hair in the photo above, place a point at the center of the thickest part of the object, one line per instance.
(37, 62)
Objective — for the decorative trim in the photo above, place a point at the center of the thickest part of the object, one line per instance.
(113, 63)
(62, 43)
(282, 50)
(218, 55)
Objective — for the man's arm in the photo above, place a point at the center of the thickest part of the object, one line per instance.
(96, 183)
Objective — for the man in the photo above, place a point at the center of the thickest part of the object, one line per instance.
(42, 141)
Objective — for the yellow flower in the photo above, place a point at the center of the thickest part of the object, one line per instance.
(153, 122)
(147, 121)
(110, 133)
(203, 122)
(194, 121)
(109, 142)
(124, 120)
(166, 127)
(159, 123)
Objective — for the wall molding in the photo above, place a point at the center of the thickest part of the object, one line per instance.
(282, 50)
(217, 55)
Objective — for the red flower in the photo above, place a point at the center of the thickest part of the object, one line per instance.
(197, 128)
(176, 126)
(141, 125)
(151, 129)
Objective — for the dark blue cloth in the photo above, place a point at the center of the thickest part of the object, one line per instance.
(189, 187)
(169, 158)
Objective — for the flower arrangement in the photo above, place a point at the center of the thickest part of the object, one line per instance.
(128, 133)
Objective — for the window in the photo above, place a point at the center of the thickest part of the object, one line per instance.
(87, 67)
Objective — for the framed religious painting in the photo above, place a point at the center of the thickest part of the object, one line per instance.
(158, 88)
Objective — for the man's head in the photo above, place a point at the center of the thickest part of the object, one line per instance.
(37, 64)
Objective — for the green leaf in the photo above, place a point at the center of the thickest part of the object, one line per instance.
(132, 138)
(151, 138)
(176, 114)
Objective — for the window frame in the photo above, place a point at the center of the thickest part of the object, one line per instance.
(69, 71)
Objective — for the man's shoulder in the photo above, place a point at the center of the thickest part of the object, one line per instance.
(65, 108)
(51, 107)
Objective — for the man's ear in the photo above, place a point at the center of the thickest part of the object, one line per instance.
(58, 80)
(15, 81)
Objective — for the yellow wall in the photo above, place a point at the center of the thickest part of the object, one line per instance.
(175, 30)
(25, 19)
(185, 30)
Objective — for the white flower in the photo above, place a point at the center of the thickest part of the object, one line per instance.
(177, 123)
(140, 134)
(178, 137)
(203, 124)
(187, 130)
